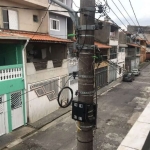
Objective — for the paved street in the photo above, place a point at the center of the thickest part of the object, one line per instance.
(117, 111)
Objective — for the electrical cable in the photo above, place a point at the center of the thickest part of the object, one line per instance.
(75, 4)
(68, 101)
(42, 20)
(127, 12)
(120, 12)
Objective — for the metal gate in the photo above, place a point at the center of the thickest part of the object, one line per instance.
(101, 77)
(2, 116)
(112, 73)
(16, 109)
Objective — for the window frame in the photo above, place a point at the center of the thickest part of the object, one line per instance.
(7, 18)
(51, 19)
(34, 20)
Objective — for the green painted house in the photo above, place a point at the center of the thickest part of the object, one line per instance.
(12, 84)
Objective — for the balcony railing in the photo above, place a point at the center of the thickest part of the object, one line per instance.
(11, 72)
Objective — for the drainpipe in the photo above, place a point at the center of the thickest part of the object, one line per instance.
(24, 72)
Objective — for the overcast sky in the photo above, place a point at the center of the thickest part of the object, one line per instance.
(141, 8)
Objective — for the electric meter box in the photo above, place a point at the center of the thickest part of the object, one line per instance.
(79, 111)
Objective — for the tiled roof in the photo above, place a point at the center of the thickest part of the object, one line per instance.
(141, 39)
(134, 45)
(5, 35)
(148, 42)
(40, 37)
(102, 46)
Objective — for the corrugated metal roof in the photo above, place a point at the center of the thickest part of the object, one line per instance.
(36, 36)
(103, 46)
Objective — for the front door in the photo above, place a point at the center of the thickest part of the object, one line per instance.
(2, 116)
(16, 109)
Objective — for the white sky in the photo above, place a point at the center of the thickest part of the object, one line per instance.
(141, 8)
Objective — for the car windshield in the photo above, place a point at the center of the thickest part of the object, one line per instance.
(127, 75)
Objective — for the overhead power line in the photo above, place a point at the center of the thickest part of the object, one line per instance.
(120, 12)
(127, 12)
(115, 15)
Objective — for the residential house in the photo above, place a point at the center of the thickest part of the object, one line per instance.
(132, 59)
(109, 35)
(101, 68)
(45, 56)
(143, 44)
(143, 33)
(13, 112)
(121, 53)
(60, 23)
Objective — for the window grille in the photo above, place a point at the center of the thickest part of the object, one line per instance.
(9, 74)
(16, 100)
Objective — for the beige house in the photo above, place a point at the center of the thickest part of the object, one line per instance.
(24, 19)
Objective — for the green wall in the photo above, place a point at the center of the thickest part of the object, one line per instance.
(10, 54)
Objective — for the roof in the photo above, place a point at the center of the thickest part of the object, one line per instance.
(148, 42)
(102, 46)
(38, 37)
(5, 35)
(141, 39)
(134, 45)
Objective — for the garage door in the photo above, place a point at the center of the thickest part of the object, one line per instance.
(112, 73)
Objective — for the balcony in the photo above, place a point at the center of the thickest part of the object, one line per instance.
(36, 3)
(11, 72)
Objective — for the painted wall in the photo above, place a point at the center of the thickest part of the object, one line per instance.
(56, 7)
(113, 42)
(10, 54)
(25, 18)
(39, 107)
(103, 34)
(43, 3)
(62, 33)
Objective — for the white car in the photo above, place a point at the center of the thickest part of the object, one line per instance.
(136, 72)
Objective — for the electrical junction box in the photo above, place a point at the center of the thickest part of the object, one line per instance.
(79, 111)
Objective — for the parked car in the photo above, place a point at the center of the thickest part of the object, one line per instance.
(136, 72)
(128, 77)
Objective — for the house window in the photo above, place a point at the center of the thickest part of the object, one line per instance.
(138, 51)
(35, 18)
(113, 52)
(55, 24)
(120, 70)
(5, 19)
(121, 49)
(10, 19)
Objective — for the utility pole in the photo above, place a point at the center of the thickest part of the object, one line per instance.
(86, 71)
(84, 108)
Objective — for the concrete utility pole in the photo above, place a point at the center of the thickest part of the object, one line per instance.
(86, 71)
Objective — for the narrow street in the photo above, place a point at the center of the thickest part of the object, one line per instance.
(117, 111)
